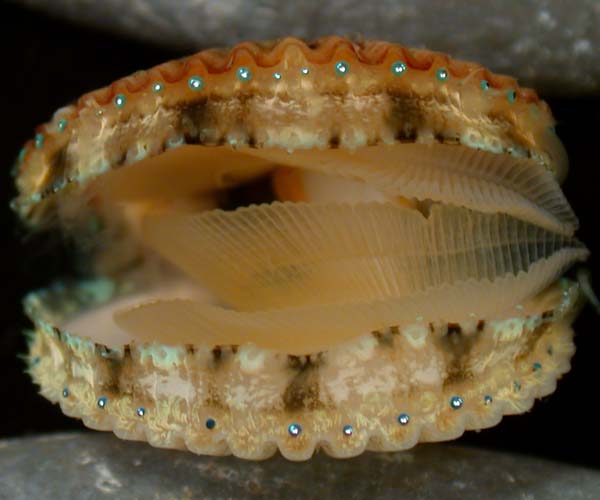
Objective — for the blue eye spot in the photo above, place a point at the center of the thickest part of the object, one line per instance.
(342, 68)
(244, 74)
(442, 74)
(404, 419)
(398, 68)
(120, 100)
(456, 402)
(294, 430)
(196, 83)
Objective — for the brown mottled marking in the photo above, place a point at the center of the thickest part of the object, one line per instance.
(110, 370)
(57, 171)
(385, 339)
(532, 340)
(406, 117)
(458, 348)
(334, 141)
(547, 315)
(217, 357)
(244, 111)
(454, 329)
(194, 118)
(303, 390)
(221, 354)
(190, 349)
(297, 362)
(439, 137)
(128, 374)
(480, 325)
(457, 373)
(121, 159)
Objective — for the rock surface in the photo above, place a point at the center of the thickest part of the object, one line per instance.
(552, 46)
(98, 465)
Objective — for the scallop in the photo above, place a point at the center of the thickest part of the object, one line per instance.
(290, 240)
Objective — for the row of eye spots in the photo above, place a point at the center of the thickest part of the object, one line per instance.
(295, 429)
(342, 68)
(244, 74)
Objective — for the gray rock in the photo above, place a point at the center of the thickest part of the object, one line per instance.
(553, 46)
(98, 465)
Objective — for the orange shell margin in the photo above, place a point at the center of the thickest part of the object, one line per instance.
(333, 92)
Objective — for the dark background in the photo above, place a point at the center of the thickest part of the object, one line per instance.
(46, 63)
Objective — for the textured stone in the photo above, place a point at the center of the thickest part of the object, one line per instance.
(552, 46)
(98, 465)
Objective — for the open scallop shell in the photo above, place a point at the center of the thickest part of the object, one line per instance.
(357, 326)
